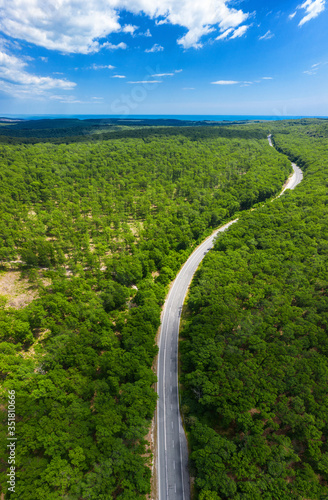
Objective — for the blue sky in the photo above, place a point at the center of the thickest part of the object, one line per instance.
(181, 57)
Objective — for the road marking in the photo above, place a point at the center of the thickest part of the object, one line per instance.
(169, 336)
(165, 447)
(174, 464)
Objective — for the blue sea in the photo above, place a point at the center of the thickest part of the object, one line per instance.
(166, 117)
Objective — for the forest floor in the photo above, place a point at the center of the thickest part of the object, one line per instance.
(16, 290)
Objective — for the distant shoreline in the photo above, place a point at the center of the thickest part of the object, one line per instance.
(198, 118)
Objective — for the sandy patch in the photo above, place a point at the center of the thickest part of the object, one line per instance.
(17, 291)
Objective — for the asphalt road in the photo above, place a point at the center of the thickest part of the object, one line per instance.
(172, 459)
(295, 178)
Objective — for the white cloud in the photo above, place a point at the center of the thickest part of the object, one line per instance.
(267, 36)
(147, 33)
(111, 46)
(101, 66)
(291, 16)
(225, 34)
(146, 81)
(78, 27)
(312, 8)
(161, 21)
(243, 84)
(155, 48)
(71, 99)
(118, 76)
(129, 28)
(16, 81)
(178, 70)
(225, 82)
(19, 82)
(191, 38)
(188, 88)
(97, 98)
(44, 59)
(66, 98)
(232, 33)
(162, 74)
(239, 32)
(314, 68)
(59, 24)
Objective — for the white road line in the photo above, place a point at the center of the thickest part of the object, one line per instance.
(165, 446)
(173, 301)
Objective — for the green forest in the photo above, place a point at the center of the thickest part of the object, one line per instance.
(254, 347)
(96, 224)
(97, 229)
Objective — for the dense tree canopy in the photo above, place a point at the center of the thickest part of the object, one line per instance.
(254, 354)
(100, 228)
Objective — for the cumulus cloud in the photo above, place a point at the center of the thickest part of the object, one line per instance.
(266, 36)
(129, 28)
(155, 48)
(16, 80)
(312, 8)
(72, 27)
(111, 46)
(59, 25)
(118, 76)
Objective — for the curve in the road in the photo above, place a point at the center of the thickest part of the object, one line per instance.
(172, 450)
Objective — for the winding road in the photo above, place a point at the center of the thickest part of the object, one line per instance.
(172, 451)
